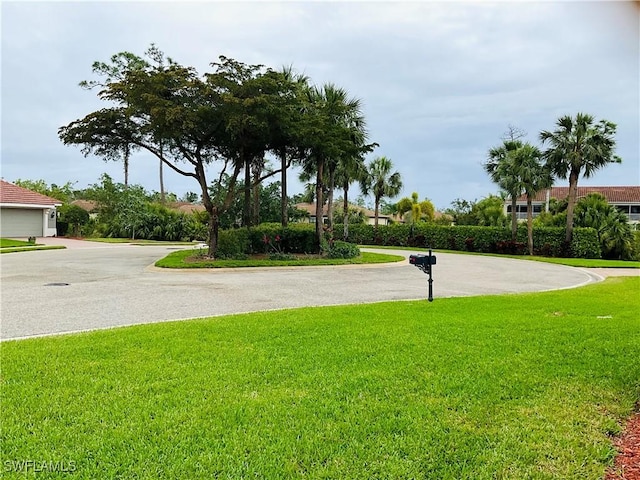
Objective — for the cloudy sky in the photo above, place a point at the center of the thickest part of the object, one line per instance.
(440, 82)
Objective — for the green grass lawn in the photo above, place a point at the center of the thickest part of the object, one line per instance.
(181, 259)
(515, 386)
(572, 262)
(8, 245)
(135, 241)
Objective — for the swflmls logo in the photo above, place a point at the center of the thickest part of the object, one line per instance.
(39, 466)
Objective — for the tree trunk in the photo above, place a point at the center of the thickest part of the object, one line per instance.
(377, 208)
(162, 196)
(319, 203)
(530, 224)
(514, 219)
(256, 196)
(284, 219)
(332, 175)
(345, 209)
(571, 203)
(126, 166)
(246, 211)
(214, 227)
(161, 172)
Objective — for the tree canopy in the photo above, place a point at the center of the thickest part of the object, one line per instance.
(230, 116)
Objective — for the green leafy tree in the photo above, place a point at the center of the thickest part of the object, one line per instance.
(74, 217)
(64, 193)
(185, 120)
(415, 211)
(578, 146)
(190, 197)
(489, 212)
(381, 182)
(460, 212)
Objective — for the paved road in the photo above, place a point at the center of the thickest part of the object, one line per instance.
(116, 285)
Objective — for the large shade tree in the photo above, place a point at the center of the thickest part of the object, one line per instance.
(186, 120)
(381, 182)
(578, 146)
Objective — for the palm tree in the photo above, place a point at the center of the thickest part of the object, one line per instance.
(286, 138)
(533, 176)
(613, 230)
(578, 146)
(334, 127)
(380, 182)
(350, 169)
(502, 170)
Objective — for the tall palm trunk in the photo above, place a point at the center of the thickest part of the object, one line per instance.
(345, 209)
(332, 176)
(377, 209)
(571, 203)
(530, 224)
(284, 208)
(319, 202)
(514, 218)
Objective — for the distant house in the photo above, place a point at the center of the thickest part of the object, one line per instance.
(624, 198)
(89, 206)
(186, 207)
(310, 208)
(25, 213)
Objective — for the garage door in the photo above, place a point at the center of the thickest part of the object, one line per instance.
(20, 222)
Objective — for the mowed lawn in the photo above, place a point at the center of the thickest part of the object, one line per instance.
(514, 386)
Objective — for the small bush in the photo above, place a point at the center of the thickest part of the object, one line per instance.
(340, 249)
(232, 244)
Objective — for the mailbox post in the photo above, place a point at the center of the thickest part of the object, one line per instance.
(424, 263)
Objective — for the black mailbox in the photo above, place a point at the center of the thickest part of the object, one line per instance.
(422, 260)
(424, 263)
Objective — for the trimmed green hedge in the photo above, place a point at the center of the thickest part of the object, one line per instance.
(548, 241)
(300, 238)
(267, 238)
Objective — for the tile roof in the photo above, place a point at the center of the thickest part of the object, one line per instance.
(619, 194)
(10, 193)
(87, 205)
(186, 207)
(311, 209)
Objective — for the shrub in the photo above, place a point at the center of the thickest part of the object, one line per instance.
(634, 250)
(547, 240)
(233, 244)
(340, 249)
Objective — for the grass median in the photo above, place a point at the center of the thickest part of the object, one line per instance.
(193, 259)
(516, 386)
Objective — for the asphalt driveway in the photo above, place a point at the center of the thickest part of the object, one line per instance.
(93, 286)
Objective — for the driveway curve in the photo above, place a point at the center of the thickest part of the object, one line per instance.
(102, 286)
